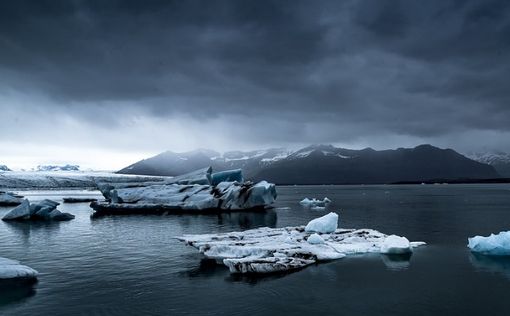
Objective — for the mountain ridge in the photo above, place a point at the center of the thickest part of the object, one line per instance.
(323, 164)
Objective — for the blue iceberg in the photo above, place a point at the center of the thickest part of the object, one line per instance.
(493, 245)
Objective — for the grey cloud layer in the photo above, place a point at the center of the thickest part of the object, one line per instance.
(325, 71)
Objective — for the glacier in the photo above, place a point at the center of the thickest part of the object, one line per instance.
(12, 269)
(493, 245)
(43, 210)
(196, 191)
(268, 250)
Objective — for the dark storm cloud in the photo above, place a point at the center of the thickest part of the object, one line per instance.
(332, 71)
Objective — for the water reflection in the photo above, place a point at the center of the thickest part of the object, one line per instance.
(24, 229)
(397, 262)
(492, 264)
(15, 290)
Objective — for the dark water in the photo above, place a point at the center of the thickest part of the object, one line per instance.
(132, 266)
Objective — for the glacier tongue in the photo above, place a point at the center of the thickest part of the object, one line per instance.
(266, 250)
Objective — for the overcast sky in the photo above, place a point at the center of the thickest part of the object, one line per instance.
(105, 83)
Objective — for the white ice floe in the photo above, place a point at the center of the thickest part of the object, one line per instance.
(265, 250)
(315, 202)
(12, 269)
(494, 245)
(43, 210)
(202, 190)
(325, 224)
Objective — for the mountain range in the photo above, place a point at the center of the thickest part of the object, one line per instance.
(499, 160)
(324, 164)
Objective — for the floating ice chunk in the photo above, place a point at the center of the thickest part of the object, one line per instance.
(394, 244)
(315, 202)
(494, 245)
(265, 250)
(315, 239)
(8, 198)
(44, 210)
(79, 200)
(187, 197)
(325, 224)
(11, 269)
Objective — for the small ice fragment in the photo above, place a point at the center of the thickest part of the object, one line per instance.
(325, 224)
(315, 239)
(394, 244)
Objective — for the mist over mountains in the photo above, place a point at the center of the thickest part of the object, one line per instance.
(324, 164)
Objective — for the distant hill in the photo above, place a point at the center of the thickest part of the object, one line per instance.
(4, 168)
(499, 160)
(58, 168)
(324, 164)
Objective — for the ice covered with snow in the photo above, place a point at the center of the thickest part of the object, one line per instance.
(315, 202)
(394, 244)
(325, 224)
(267, 250)
(12, 269)
(494, 245)
(43, 210)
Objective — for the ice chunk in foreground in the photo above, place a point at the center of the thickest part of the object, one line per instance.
(266, 250)
(11, 269)
(315, 202)
(325, 224)
(494, 245)
(21, 211)
(394, 244)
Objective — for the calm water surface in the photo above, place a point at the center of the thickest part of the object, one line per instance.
(131, 265)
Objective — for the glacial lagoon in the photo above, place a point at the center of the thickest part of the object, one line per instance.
(132, 265)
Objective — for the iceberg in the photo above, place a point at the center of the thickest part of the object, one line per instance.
(9, 198)
(268, 250)
(43, 210)
(12, 269)
(187, 193)
(493, 245)
(394, 244)
(325, 224)
(315, 202)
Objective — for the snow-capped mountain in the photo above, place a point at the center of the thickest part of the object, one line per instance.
(324, 164)
(4, 168)
(499, 160)
(170, 163)
(57, 168)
